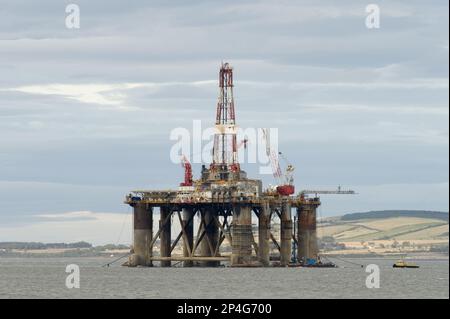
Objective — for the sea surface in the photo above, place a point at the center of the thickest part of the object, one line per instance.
(46, 278)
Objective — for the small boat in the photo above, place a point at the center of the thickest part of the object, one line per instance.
(404, 264)
(317, 263)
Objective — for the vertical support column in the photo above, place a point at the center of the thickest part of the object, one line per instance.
(301, 234)
(264, 234)
(203, 245)
(212, 232)
(313, 246)
(286, 233)
(142, 235)
(188, 223)
(242, 235)
(307, 233)
(165, 235)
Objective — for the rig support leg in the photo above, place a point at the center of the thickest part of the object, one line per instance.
(264, 235)
(143, 235)
(188, 223)
(165, 235)
(241, 252)
(210, 239)
(307, 233)
(286, 234)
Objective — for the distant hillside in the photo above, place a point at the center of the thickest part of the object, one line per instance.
(38, 245)
(79, 249)
(397, 213)
(45, 246)
(387, 225)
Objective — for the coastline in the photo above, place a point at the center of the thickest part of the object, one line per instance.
(82, 253)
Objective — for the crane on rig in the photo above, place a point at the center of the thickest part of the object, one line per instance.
(187, 172)
(287, 186)
(338, 191)
(286, 180)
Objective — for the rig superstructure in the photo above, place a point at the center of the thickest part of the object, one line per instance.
(222, 203)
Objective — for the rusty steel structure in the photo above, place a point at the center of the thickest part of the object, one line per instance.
(222, 204)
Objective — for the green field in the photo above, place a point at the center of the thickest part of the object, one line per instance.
(389, 225)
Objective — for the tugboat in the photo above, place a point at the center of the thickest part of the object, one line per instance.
(404, 264)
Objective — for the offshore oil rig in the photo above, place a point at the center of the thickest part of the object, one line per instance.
(222, 203)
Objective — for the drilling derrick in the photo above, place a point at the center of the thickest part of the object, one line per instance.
(225, 146)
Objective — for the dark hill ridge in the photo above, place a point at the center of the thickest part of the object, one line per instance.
(38, 245)
(396, 213)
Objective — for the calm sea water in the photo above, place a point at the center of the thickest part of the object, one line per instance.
(45, 278)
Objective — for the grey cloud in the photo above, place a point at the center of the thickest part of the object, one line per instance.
(353, 106)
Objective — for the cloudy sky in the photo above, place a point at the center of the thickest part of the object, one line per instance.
(86, 114)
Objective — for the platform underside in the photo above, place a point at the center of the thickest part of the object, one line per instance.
(222, 221)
